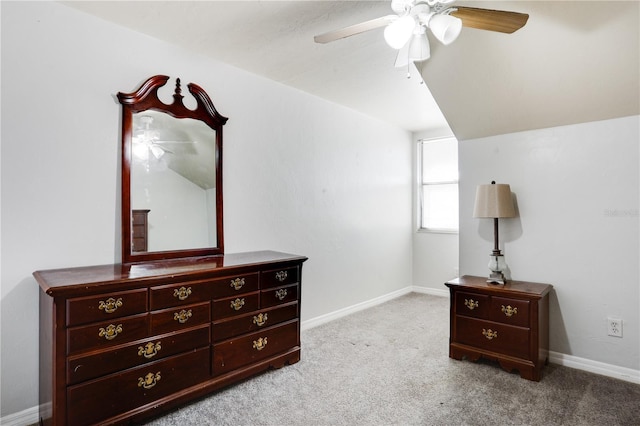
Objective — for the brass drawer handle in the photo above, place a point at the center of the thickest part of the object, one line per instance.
(489, 334)
(237, 284)
(281, 294)
(149, 380)
(509, 311)
(260, 319)
(237, 304)
(281, 276)
(182, 293)
(149, 350)
(110, 332)
(471, 304)
(182, 316)
(260, 344)
(111, 305)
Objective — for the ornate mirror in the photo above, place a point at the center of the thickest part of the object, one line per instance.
(171, 174)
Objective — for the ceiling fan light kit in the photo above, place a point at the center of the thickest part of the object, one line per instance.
(406, 30)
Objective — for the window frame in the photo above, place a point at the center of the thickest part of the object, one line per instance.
(421, 185)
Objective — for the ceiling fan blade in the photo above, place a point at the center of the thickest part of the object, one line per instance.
(491, 20)
(355, 29)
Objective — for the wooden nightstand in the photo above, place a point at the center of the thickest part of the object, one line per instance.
(508, 323)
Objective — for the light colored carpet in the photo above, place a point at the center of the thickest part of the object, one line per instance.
(389, 365)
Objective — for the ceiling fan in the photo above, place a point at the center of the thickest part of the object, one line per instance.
(406, 30)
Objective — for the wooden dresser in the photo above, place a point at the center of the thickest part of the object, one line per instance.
(508, 323)
(121, 343)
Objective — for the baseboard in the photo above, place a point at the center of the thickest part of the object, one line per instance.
(609, 370)
(332, 316)
(26, 417)
(30, 415)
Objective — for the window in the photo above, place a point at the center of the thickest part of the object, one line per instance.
(438, 177)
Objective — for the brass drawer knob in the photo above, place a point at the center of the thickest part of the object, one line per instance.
(149, 350)
(110, 305)
(182, 293)
(281, 294)
(237, 284)
(237, 304)
(471, 304)
(110, 332)
(281, 276)
(509, 311)
(182, 316)
(149, 380)
(489, 334)
(260, 344)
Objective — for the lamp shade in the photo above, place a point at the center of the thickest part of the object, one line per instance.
(399, 31)
(494, 201)
(446, 28)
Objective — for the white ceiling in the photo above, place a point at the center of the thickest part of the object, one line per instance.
(573, 62)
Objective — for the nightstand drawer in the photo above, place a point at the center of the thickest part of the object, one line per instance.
(510, 311)
(492, 336)
(472, 304)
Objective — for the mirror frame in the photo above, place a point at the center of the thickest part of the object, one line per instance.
(146, 98)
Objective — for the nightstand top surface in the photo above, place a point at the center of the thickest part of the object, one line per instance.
(511, 287)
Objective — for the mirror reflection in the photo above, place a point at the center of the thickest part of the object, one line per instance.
(173, 183)
(172, 203)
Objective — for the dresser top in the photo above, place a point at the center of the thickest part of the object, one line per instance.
(511, 287)
(68, 279)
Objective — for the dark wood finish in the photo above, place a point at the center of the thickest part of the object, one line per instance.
(86, 378)
(507, 323)
(146, 98)
(139, 230)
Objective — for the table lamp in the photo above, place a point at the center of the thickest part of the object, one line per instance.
(495, 201)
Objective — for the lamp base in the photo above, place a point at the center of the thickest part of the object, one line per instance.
(497, 277)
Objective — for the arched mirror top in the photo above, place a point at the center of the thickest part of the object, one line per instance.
(171, 174)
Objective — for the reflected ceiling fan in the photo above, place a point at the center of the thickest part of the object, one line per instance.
(148, 136)
(406, 31)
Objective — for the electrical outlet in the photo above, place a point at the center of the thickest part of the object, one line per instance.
(614, 327)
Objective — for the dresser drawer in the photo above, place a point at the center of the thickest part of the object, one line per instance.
(510, 311)
(81, 368)
(279, 277)
(235, 305)
(278, 295)
(180, 318)
(247, 323)
(233, 353)
(492, 336)
(472, 304)
(168, 296)
(234, 285)
(98, 400)
(83, 310)
(107, 333)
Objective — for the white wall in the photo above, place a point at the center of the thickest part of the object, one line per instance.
(435, 255)
(577, 190)
(300, 174)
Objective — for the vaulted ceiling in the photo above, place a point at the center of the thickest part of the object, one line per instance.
(573, 62)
